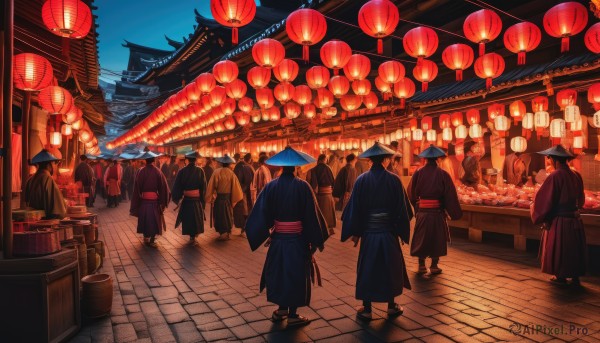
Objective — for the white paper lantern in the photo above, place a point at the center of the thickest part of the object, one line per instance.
(417, 135)
(518, 144)
(577, 126)
(501, 123)
(578, 144)
(475, 131)
(461, 132)
(407, 133)
(55, 139)
(527, 122)
(447, 134)
(572, 113)
(541, 120)
(595, 120)
(431, 136)
(557, 128)
(66, 130)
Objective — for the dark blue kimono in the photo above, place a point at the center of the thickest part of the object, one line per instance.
(379, 212)
(287, 270)
(191, 209)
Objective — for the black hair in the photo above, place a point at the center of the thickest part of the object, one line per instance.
(350, 158)
(289, 169)
(83, 157)
(262, 159)
(379, 158)
(150, 160)
(236, 157)
(559, 159)
(247, 157)
(397, 158)
(394, 144)
(321, 158)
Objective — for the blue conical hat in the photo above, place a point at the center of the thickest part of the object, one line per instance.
(432, 152)
(44, 156)
(225, 159)
(289, 157)
(377, 149)
(147, 155)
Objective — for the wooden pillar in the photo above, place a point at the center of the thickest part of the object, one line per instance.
(25, 144)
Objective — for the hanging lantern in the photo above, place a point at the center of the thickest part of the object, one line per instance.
(72, 115)
(577, 127)
(572, 113)
(85, 136)
(335, 54)
(458, 57)
(370, 100)
(236, 89)
(361, 87)
(431, 136)
(264, 98)
(324, 98)
(67, 18)
(475, 131)
(482, 27)
(191, 92)
(206, 82)
(413, 124)
(217, 96)
(302, 95)
(528, 124)
(406, 134)
(256, 117)
(577, 145)
(310, 111)
(259, 77)
(592, 38)
(444, 121)
(594, 96)
(541, 121)
(557, 130)
(518, 144)
(417, 135)
(225, 71)
(473, 116)
(391, 71)
(242, 118)
(339, 85)
(502, 124)
(425, 72)
(426, 123)
(291, 110)
(595, 120)
(274, 114)
(234, 14)
(66, 130)
(268, 53)
(384, 87)
(403, 90)
(228, 106)
(446, 136)
(358, 67)
(31, 72)
(55, 100)
(420, 42)
(495, 110)
(378, 19)
(77, 124)
(317, 77)
(565, 20)
(286, 70)
(306, 27)
(245, 104)
(461, 133)
(284, 92)
(521, 38)
(488, 67)
(517, 110)
(229, 123)
(456, 118)
(350, 102)
(55, 139)
(206, 102)
(566, 97)
(539, 103)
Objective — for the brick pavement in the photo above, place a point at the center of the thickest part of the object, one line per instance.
(207, 293)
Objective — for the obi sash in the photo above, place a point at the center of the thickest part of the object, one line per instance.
(149, 196)
(429, 203)
(287, 227)
(194, 193)
(325, 190)
(378, 221)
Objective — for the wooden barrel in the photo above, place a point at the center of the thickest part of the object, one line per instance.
(91, 260)
(83, 265)
(97, 295)
(89, 232)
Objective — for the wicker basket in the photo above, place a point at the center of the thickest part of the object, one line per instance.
(97, 295)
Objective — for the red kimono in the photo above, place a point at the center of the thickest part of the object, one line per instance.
(433, 195)
(564, 249)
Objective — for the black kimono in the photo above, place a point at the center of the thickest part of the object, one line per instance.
(287, 270)
(245, 174)
(379, 212)
(191, 210)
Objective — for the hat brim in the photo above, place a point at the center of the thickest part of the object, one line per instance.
(557, 151)
(289, 157)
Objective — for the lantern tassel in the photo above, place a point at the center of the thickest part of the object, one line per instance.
(459, 75)
(336, 72)
(488, 83)
(424, 86)
(481, 49)
(305, 55)
(521, 58)
(380, 46)
(234, 36)
(402, 103)
(564, 44)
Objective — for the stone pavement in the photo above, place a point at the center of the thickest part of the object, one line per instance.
(180, 293)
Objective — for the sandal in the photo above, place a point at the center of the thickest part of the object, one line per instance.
(422, 270)
(395, 311)
(362, 313)
(435, 270)
(279, 315)
(297, 321)
(558, 281)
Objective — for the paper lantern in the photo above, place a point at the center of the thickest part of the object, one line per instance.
(67, 18)
(218, 126)
(475, 131)
(518, 144)
(482, 27)
(425, 72)
(495, 110)
(66, 130)
(384, 87)
(306, 27)
(335, 54)
(85, 136)
(444, 121)
(417, 135)
(541, 121)
(234, 14)
(577, 126)
(458, 57)
(317, 77)
(594, 95)
(473, 116)
(55, 100)
(358, 67)
(461, 132)
(291, 110)
(557, 130)
(302, 95)
(528, 124)
(228, 106)
(361, 87)
(592, 38)
(274, 113)
(206, 102)
(426, 123)
(217, 96)
(391, 71)
(370, 100)
(31, 72)
(539, 103)
(350, 102)
(339, 85)
(55, 139)
(456, 118)
(577, 145)
(259, 77)
(572, 113)
(286, 70)
(413, 124)
(565, 20)
(406, 133)
(268, 52)
(446, 135)
(72, 115)
(309, 110)
(420, 42)
(236, 89)
(242, 118)
(378, 19)
(191, 92)
(566, 97)
(502, 124)
(245, 104)
(264, 98)
(225, 71)
(284, 92)
(324, 98)
(488, 67)
(517, 110)
(595, 120)
(521, 38)
(403, 90)
(256, 117)
(431, 136)
(206, 82)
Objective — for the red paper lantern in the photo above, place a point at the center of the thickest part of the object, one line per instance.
(67, 18)
(458, 57)
(539, 103)
(444, 121)
(31, 72)
(306, 27)
(370, 100)
(228, 106)
(361, 87)
(425, 72)
(358, 67)
(481, 27)
(268, 52)
(225, 71)
(236, 89)
(384, 87)
(495, 110)
(274, 113)
(339, 85)
(245, 104)
(284, 92)
(317, 77)
(378, 19)
(291, 110)
(259, 77)
(55, 100)
(206, 82)
(310, 111)
(391, 71)
(403, 90)
(191, 91)
(517, 110)
(565, 20)
(264, 98)
(335, 54)
(324, 98)
(566, 97)
(242, 118)
(286, 70)
(420, 42)
(234, 14)
(229, 123)
(350, 102)
(472, 116)
(592, 38)
(456, 118)
(426, 123)
(413, 124)
(488, 67)
(303, 95)
(217, 96)
(594, 96)
(521, 38)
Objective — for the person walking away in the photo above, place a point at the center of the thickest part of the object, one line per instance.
(84, 177)
(321, 180)
(433, 195)
(344, 181)
(208, 169)
(41, 191)
(377, 214)
(128, 179)
(262, 176)
(112, 180)
(245, 174)
(150, 198)
(189, 191)
(556, 206)
(287, 205)
(173, 169)
(99, 170)
(228, 192)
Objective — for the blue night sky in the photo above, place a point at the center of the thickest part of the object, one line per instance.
(143, 22)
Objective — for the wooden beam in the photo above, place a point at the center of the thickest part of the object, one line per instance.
(6, 90)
